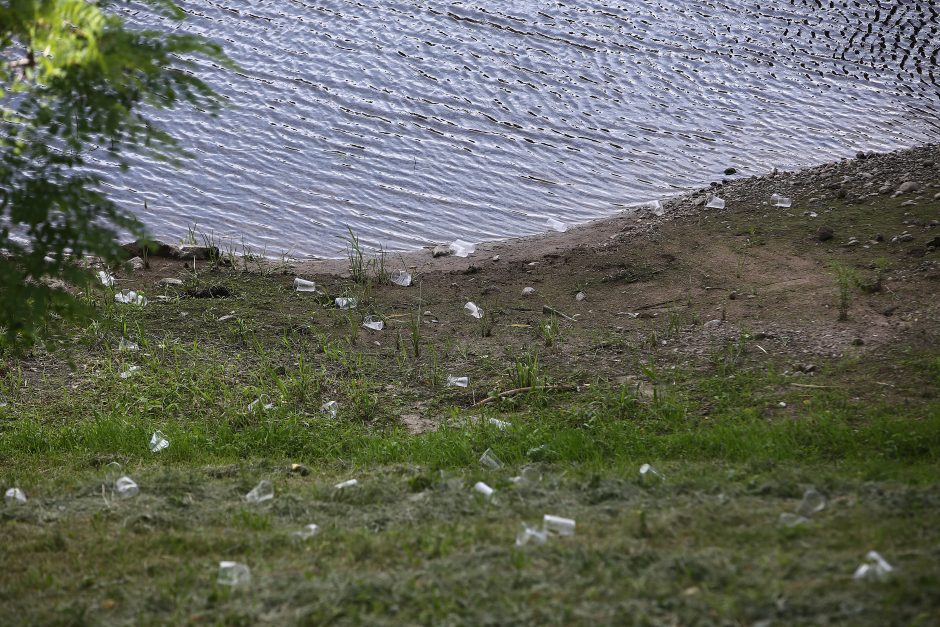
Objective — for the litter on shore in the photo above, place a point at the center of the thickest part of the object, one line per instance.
(264, 491)
(302, 285)
(158, 442)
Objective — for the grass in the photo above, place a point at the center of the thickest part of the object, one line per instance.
(736, 432)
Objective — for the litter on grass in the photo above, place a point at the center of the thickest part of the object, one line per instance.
(106, 279)
(127, 347)
(401, 278)
(130, 297)
(716, 203)
(648, 473)
(461, 248)
(530, 534)
(502, 425)
(158, 442)
(781, 201)
(15, 496)
(580, 296)
(346, 303)
(490, 460)
(349, 483)
(528, 474)
(264, 491)
(373, 322)
(307, 532)
(233, 574)
(813, 502)
(874, 567)
(558, 525)
(302, 285)
(484, 489)
(458, 382)
(474, 311)
(253, 404)
(125, 487)
(330, 407)
(128, 371)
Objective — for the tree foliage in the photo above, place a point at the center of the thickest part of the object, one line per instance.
(74, 78)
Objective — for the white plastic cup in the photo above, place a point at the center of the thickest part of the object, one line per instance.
(558, 525)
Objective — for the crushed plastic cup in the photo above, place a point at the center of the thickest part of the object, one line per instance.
(874, 567)
(781, 201)
(125, 487)
(461, 248)
(113, 471)
(813, 502)
(484, 489)
(490, 460)
(345, 303)
(130, 297)
(14, 496)
(307, 532)
(716, 203)
(302, 285)
(789, 519)
(373, 322)
(233, 574)
(457, 382)
(528, 291)
(349, 483)
(158, 442)
(531, 534)
(580, 296)
(106, 279)
(253, 404)
(556, 225)
(126, 346)
(648, 473)
(330, 407)
(558, 525)
(529, 474)
(401, 278)
(474, 311)
(264, 491)
(128, 371)
(502, 425)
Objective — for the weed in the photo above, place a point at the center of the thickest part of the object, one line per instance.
(526, 371)
(358, 267)
(549, 330)
(846, 279)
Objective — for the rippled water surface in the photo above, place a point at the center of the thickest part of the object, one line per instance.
(415, 122)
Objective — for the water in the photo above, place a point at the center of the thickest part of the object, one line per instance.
(426, 121)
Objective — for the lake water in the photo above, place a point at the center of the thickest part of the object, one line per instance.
(425, 121)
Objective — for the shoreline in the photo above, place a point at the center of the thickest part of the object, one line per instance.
(643, 219)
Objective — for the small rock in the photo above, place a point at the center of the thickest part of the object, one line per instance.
(935, 242)
(909, 203)
(884, 189)
(905, 237)
(842, 193)
(879, 237)
(909, 186)
(528, 291)
(440, 251)
(805, 368)
(730, 171)
(712, 324)
(936, 196)
(858, 342)
(824, 234)
(580, 296)
(860, 155)
(190, 252)
(299, 469)
(137, 263)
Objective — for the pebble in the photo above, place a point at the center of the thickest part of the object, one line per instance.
(136, 263)
(909, 186)
(528, 291)
(909, 203)
(580, 296)
(730, 171)
(936, 196)
(440, 251)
